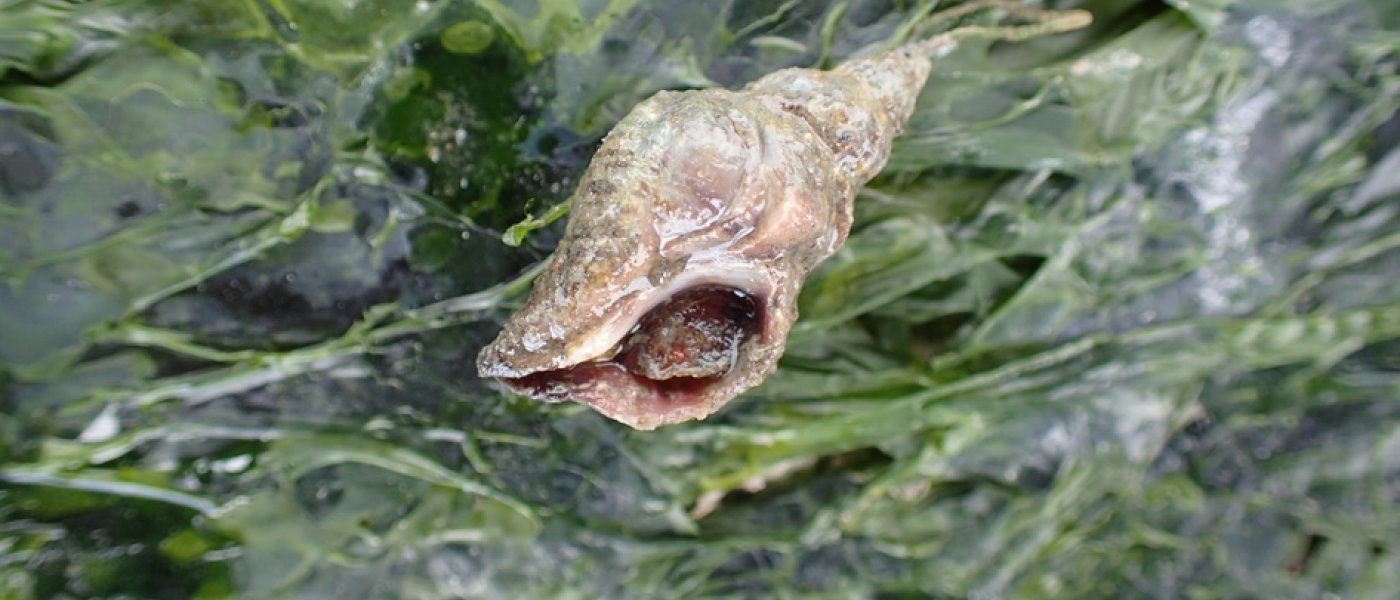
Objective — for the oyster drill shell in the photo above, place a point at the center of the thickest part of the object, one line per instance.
(745, 190)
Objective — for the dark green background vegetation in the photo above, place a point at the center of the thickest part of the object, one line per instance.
(1120, 320)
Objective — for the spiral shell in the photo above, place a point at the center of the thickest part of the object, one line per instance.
(676, 281)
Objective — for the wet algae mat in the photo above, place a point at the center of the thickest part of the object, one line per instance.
(1121, 318)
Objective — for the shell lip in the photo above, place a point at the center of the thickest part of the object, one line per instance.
(532, 350)
(623, 396)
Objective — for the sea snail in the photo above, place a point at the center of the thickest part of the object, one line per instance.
(692, 229)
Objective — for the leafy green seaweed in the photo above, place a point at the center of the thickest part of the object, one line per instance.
(1119, 319)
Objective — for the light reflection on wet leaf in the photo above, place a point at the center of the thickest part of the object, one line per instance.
(1119, 320)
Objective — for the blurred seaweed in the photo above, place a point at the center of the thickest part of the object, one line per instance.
(1121, 318)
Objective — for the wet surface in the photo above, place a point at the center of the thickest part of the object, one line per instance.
(1118, 320)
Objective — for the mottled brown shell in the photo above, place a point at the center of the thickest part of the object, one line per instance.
(691, 232)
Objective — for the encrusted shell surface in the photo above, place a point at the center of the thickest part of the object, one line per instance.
(736, 193)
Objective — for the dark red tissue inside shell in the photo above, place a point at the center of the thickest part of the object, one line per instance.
(697, 333)
(675, 350)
